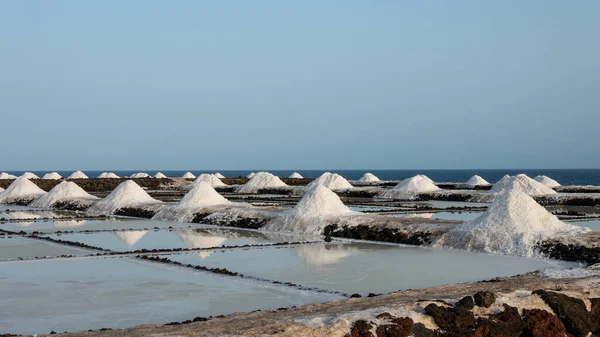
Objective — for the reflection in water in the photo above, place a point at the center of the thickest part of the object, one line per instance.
(130, 237)
(69, 223)
(320, 255)
(199, 239)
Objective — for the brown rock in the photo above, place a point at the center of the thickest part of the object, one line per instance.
(571, 311)
(454, 320)
(400, 327)
(361, 328)
(466, 303)
(485, 299)
(541, 323)
(505, 324)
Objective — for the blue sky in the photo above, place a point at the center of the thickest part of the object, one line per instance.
(299, 85)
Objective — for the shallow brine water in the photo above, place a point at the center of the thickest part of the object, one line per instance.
(464, 216)
(591, 224)
(51, 226)
(12, 247)
(364, 267)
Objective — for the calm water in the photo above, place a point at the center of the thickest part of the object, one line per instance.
(565, 177)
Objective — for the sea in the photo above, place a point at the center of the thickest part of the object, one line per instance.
(563, 176)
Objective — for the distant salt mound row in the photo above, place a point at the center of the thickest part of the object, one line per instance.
(188, 175)
(547, 181)
(512, 225)
(78, 175)
(5, 175)
(159, 175)
(130, 237)
(260, 181)
(526, 185)
(211, 179)
(295, 175)
(52, 176)
(219, 175)
(476, 181)
(332, 181)
(108, 175)
(369, 178)
(309, 216)
(127, 194)
(411, 188)
(64, 191)
(140, 175)
(250, 175)
(22, 189)
(29, 175)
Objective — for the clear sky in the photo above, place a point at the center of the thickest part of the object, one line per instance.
(298, 85)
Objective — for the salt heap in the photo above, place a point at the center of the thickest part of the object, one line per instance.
(250, 175)
(295, 175)
(526, 184)
(259, 181)
(29, 175)
(219, 175)
(78, 175)
(130, 237)
(1, 190)
(369, 178)
(310, 214)
(512, 224)
(202, 195)
(188, 175)
(476, 181)
(211, 179)
(332, 181)
(140, 175)
(52, 176)
(159, 175)
(65, 191)
(108, 175)
(411, 188)
(547, 181)
(127, 194)
(22, 189)
(5, 175)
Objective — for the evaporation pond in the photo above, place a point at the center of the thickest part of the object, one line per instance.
(364, 267)
(591, 224)
(80, 225)
(13, 247)
(464, 216)
(92, 293)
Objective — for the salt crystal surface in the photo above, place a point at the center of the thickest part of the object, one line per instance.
(547, 181)
(52, 176)
(211, 179)
(108, 175)
(21, 188)
(295, 175)
(188, 175)
(140, 175)
(410, 188)
(526, 185)
(332, 181)
(476, 181)
(78, 175)
(160, 175)
(30, 175)
(369, 178)
(5, 175)
(219, 175)
(259, 181)
(67, 190)
(127, 194)
(250, 175)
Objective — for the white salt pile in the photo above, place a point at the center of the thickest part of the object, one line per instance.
(219, 175)
(250, 175)
(547, 181)
(64, 191)
(332, 181)
(30, 175)
(310, 214)
(78, 175)
(127, 194)
(260, 181)
(52, 176)
(130, 237)
(159, 175)
(476, 181)
(202, 195)
(411, 188)
(21, 189)
(188, 175)
(369, 178)
(295, 175)
(526, 184)
(512, 224)
(108, 175)
(5, 175)
(1, 190)
(140, 175)
(211, 179)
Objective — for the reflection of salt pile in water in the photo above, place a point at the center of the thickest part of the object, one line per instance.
(332, 181)
(219, 175)
(202, 195)
(127, 194)
(52, 176)
(108, 175)
(69, 223)
(250, 175)
(29, 175)
(22, 189)
(295, 175)
(476, 181)
(525, 184)
(547, 181)
(311, 213)
(369, 178)
(159, 175)
(188, 175)
(78, 175)
(140, 175)
(5, 175)
(210, 179)
(322, 254)
(411, 188)
(512, 224)
(196, 239)
(130, 237)
(64, 191)
(260, 181)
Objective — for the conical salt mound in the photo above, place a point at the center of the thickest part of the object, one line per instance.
(159, 175)
(476, 181)
(64, 191)
(526, 185)
(332, 181)
(108, 175)
(411, 188)
(1, 190)
(250, 175)
(127, 194)
(21, 189)
(5, 175)
(52, 176)
(78, 175)
(259, 181)
(130, 237)
(547, 181)
(29, 175)
(211, 179)
(202, 195)
(295, 175)
(195, 239)
(512, 224)
(140, 175)
(219, 175)
(188, 175)
(369, 178)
